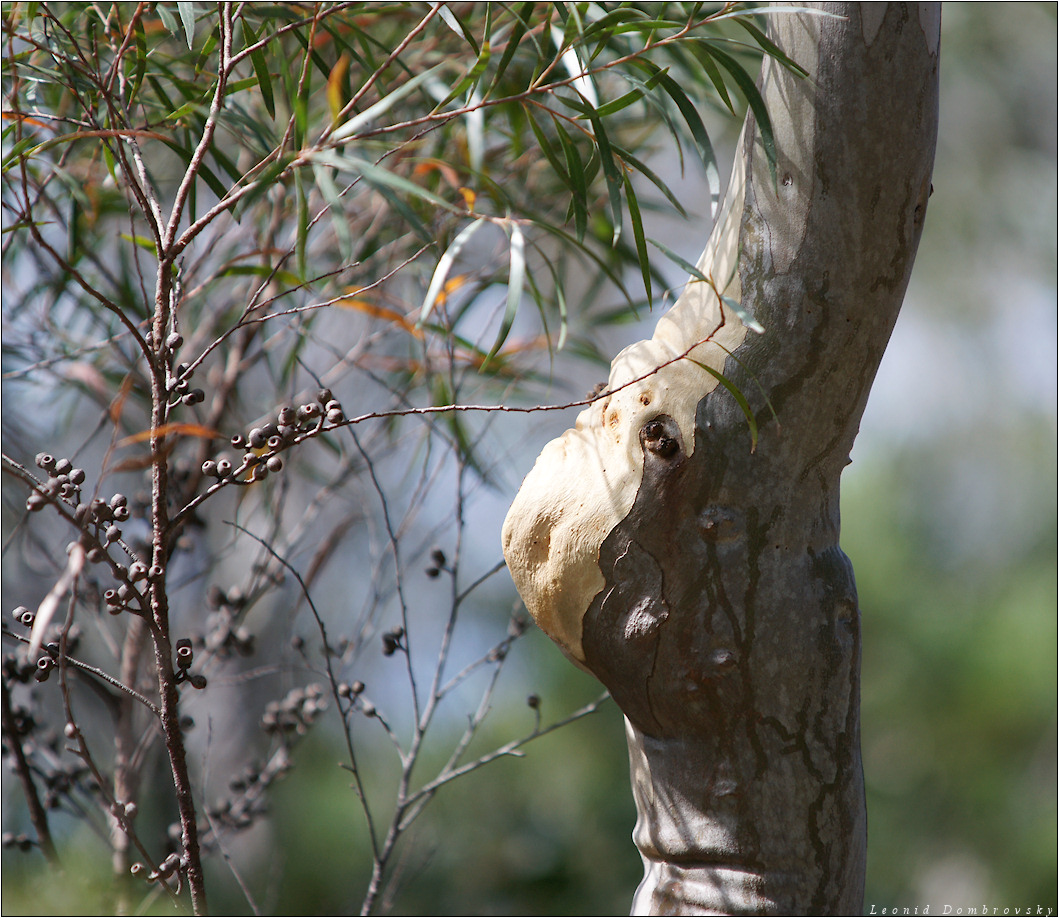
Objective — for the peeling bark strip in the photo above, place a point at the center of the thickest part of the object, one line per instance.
(701, 582)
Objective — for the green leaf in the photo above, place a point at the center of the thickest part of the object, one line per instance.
(142, 241)
(695, 125)
(376, 175)
(329, 192)
(517, 31)
(287, 277)
(771, 10)
(745, 317)
(445, 263)
(751, 421)
(303, 223)
(187, 17)
(616, 105)
(515, 283)
(754, 100)
(358, 122)
(578, 182)
(648, 173)
(611, 173)
(170, 21)
(638, 236)
(264, 78)
(770, 47)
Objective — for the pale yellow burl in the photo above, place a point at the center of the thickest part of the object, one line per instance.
(585, 481)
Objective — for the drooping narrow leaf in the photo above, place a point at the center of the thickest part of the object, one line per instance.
(757, 105)
(578, 184)
(751, 421)
(358, 122)
(770, 47)
(611, 174)
(303, 222)
(445, 263)
(698, 129)
(264, 78)
(655, 180)
(517, 31)
(638, 236)
(515, 283)
(336, 79)
(745, 317)
(187, 19)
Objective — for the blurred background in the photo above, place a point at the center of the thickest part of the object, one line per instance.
(949, 516)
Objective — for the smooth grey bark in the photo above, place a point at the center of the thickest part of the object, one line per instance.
(724, 619)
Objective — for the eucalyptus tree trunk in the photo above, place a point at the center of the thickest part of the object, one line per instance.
(689, 557)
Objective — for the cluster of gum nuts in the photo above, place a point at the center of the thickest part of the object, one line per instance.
(274, 436)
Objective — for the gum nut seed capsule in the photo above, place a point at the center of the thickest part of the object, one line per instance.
(121, 514)
(270, 430)
(182, 370)
(357, 687)
(28, 617)
(77, 476)
(332, 405)
(183, 385)
(137, 571)
(275, 442)
(312, 410)
(197, 680)
(257, 438)
(260, 473)
(324, 396)
(302, 414)
(287, 433)
(18, 612)
(124, 592)
(68, 490)
(224, 468)
(118, 500)
(57, 481)
(45, 461)
(113, 533)
(334, 416)
(275, 464)
(154, 572)
(95, 555)
(35, 502)
(63, 466)
(238, 441)
(110, 597)
(534, 701)
(438, 557)
(368, 709)
(209, 467)
(286, 415)
(174, 341)
(70, 730)
(115, 609)
(131, 809)
(197, 395)
(81, 513)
